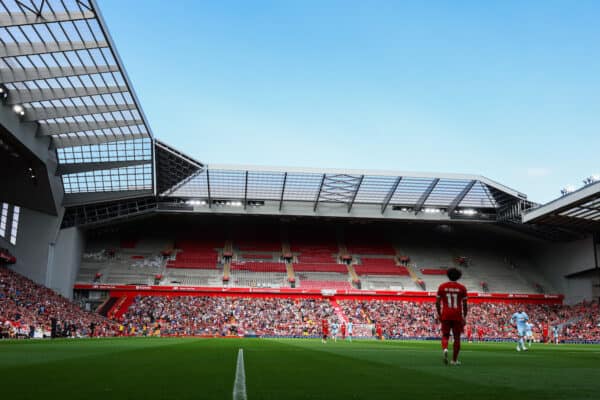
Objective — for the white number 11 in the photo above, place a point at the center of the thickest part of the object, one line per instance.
(452, 300)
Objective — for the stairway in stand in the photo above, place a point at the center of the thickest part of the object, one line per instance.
(286, 253)
(290, 272)
(352, 273)
(226, 271)
(413, 275)
(120, 307)
(105, 307)
(338, 311)
(226, 258)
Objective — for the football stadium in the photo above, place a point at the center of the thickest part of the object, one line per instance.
(130, 269)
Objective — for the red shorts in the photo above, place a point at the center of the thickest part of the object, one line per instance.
(456, 327)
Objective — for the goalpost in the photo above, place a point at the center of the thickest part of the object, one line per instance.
(366, 331)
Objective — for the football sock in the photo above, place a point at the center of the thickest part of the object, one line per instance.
(521, 343)
(445, 342)
(456, 349)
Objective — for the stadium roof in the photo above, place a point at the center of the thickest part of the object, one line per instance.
(60, 70)
(413, 191)
(61, 73)
(577, 210)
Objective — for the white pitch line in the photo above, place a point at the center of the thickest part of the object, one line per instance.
(239, 385)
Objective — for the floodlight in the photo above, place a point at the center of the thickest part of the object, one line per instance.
(19, 109)
(468, 211)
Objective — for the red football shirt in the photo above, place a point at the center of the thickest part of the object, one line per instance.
(452, 295)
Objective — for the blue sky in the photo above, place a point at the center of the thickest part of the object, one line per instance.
(507, 89)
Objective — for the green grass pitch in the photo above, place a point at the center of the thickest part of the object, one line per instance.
(188, 368)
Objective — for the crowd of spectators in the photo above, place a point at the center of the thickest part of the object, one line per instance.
(587, 327)
(186, 315)
(29, 310)
(580, 322)
(397, 318)
(215, 315)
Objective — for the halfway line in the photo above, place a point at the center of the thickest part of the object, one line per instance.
(239, 385)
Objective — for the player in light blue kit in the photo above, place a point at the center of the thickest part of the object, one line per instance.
(520, 318)
(334, 330)
(529, 333)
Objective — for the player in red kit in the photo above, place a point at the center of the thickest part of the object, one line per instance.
(343, 330)
(469, 334)
(325, 329)
(545, 330)
(480, 333)
(451, 306)
(379, 331)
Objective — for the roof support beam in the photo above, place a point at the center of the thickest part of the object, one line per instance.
(68, 127)
(355, 192)
(319, 193)
(36, 114)
(282, 190)
(74, 199)
(32, 74)
(208, 188)
(580, 213)
(59, 142)
(390, 194)
(246, 190)
(28, 49)
(19, 18)
(460, 197)
(74, 168)
(31, 95)
(425, 195)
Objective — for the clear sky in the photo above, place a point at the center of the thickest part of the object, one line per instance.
(506, 89)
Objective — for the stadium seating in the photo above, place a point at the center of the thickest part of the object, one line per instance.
(253, 256)
(258, 274)
(128, 243)
(197, 253)
(360, 246)
(193, 277)
(256, 238)
(308, 284)
(314, 267)
(373, 260)
(434, 271)
(379, 266)
(258, 266)
(24, 305)
(314, 247)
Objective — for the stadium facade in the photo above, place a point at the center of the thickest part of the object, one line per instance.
(78, 159)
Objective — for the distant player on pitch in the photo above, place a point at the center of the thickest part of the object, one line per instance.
(325, 330)
(520, 319)
(451, 306)
(529, 333)
(334, 330)
(349, 327)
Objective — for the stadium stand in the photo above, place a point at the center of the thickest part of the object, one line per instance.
(27, 310)
(300, 317)
(203, 315)
(6, 257)
(151, 217)
(379, 266)
(403, 319)
(421, 264)
(197, 253)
